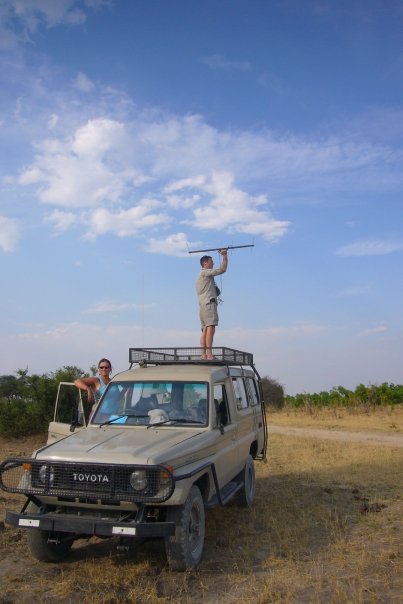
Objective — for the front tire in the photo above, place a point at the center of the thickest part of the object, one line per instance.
(184, 549)
(47, 546)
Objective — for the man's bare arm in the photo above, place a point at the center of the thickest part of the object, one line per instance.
(224, 261)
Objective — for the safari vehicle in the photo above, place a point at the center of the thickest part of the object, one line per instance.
(171, 437)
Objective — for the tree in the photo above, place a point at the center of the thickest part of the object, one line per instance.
(273, 393)
(27, 401)
(9, 387)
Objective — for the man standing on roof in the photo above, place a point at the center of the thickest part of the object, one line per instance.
(208, 292)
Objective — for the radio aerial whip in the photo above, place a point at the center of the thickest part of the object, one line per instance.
(217, 249)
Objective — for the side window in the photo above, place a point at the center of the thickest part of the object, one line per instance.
(221, 405)
(251, 388)
(240, 392)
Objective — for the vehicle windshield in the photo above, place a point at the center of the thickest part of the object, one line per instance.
(153, 403)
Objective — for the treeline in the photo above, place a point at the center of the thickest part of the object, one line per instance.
(363, 396)
(27, 401)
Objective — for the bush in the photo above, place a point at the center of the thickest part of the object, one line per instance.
(363, 396)
(273, 393)
(27, 402)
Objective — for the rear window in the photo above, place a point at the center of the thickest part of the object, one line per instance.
(252, 391)
(240, 392)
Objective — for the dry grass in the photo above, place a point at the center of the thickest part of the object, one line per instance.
(326, 527)
(384, 419)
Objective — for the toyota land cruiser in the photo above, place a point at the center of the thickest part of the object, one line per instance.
(171, 437)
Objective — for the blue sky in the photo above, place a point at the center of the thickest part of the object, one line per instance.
(134, 131)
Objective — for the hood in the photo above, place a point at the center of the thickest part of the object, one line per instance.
(134, 445)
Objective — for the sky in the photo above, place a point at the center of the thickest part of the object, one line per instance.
(135, 131)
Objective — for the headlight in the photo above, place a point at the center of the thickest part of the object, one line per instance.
(42, 474)
(138, 480)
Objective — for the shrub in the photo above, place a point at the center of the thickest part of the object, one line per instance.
(363, 396)
(27, 402)
(273, 393)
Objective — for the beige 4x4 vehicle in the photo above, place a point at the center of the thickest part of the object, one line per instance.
(170, 438)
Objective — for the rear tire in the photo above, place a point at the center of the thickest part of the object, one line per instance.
(247, 493)
(184, 549)
(41, 549)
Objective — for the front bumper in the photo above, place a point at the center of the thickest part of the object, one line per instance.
(87, 525)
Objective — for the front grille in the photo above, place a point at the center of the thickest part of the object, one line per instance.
(92, 481)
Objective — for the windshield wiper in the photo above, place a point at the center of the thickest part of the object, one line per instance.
(163, 421)
(176, 420)
(115, 419)
(187, 420)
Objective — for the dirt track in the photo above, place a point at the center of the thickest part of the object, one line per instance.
(373, 438)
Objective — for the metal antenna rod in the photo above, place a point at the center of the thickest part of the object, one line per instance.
(216, 249)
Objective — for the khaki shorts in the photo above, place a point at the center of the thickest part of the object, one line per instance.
(208, 314)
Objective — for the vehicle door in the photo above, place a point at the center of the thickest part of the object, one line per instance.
(69, 413)
(245, 417)
(224, 422)
(256, 406)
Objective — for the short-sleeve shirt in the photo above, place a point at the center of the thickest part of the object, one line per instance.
(206, 286)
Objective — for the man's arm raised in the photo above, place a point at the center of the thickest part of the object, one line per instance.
(224, 261)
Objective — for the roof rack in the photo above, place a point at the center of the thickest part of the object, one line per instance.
(161, 356)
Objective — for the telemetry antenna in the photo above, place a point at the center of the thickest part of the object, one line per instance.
(217, 249)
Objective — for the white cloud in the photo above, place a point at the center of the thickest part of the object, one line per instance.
(20, 19)
(176, 201)
(84, 170)
(61, 221)
(126, 223)
(178, 146)
(174, 245)
(370, 248)
(97, 137)
(111, 162)
(36, 12)
(185, 183)
(102, 164)
(109, 306)
(377, 329)
(236, 211)
(9, 233)
(83, 83)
